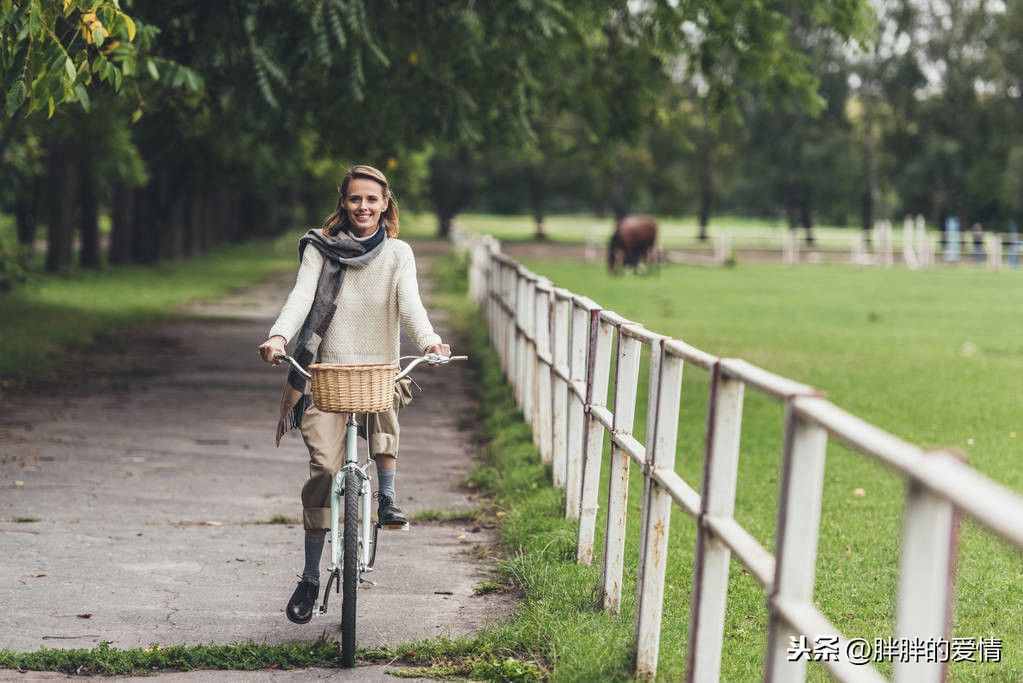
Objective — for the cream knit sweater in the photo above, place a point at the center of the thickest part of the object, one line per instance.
(375, 302)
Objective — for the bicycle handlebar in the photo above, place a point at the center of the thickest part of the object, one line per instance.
(294, 364)
(431, 358)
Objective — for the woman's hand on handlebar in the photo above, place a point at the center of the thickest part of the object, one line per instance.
(440, 349)
(272, 349)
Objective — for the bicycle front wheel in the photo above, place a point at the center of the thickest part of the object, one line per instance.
(350, 574)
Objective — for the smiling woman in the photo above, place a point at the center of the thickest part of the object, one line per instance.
(356, 288)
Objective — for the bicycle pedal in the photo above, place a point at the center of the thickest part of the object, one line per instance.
(395, 527)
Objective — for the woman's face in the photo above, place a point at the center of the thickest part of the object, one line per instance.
(365, 204)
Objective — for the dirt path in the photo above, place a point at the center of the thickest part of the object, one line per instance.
(152, 479)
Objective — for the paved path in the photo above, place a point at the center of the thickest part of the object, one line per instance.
(149, 480)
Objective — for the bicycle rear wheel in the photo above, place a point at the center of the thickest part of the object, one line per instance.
(350, 574)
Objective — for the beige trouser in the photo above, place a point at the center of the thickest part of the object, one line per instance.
(324, 435)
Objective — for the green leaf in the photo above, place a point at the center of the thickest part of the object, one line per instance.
(99, 34)
(52, 106)
(136, 115)
(15, 97)
(153, 71)
(69, 68)
(129, 25)
(83, 96)
(194, 82)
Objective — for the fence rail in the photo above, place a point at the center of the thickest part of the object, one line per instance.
(556, 350)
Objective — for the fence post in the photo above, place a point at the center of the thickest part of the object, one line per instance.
(560, 386)
(598, 368)
(799, 514)
(710, 570)
(993, 247)
(520, 341)
(654, 554)
(542, 332)
(579, 341)
(528, 352)
(653, 395)
(930, 532)
(626, 374)
(507, 330)
(490, 273)
(509, 275)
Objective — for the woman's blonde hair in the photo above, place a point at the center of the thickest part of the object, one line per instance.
(338, 221)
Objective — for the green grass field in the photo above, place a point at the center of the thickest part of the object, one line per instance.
(935, 357)
(674, 231)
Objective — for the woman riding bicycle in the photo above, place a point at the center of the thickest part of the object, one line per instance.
(356, 289)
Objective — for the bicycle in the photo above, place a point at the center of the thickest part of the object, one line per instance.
(353, 547)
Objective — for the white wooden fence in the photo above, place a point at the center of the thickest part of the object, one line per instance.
(556, 349)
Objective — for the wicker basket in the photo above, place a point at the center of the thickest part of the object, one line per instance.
(353, 388)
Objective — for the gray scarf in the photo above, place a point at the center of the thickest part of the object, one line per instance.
(339, 252)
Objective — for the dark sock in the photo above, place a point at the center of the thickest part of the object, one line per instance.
(313, 550)
(385, 482)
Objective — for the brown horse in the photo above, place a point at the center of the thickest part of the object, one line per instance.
(632, 242)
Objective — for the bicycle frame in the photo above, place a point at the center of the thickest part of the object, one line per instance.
(355, 474)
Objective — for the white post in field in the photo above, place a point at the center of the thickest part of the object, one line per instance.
(501, 338)
(654, 552)
(924, 242)
(520, 337)
(710, 568)
(887, 246)
(559, 449)
(790, 248)
(528, 352)
(930, 531)
(544, 410)
(909, 251)
(509, 323)
(799, 513)
(626, 376)
(653, 395)
(593, 452)
(993, 247)
(579, 341)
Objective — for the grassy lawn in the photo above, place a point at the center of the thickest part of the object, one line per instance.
(49, 314)
(675, 231)
(935, 357)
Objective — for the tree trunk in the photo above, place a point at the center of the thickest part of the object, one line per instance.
(171, 239)
(203, 228)
(189, 242)
(706, 188)
(870, 183)
(25, 213)
(142, 233)
(59, 185)
(791, 211)
(121, 224)
(536, 202)
(89, 253)
(806, 220)
(444, 224)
